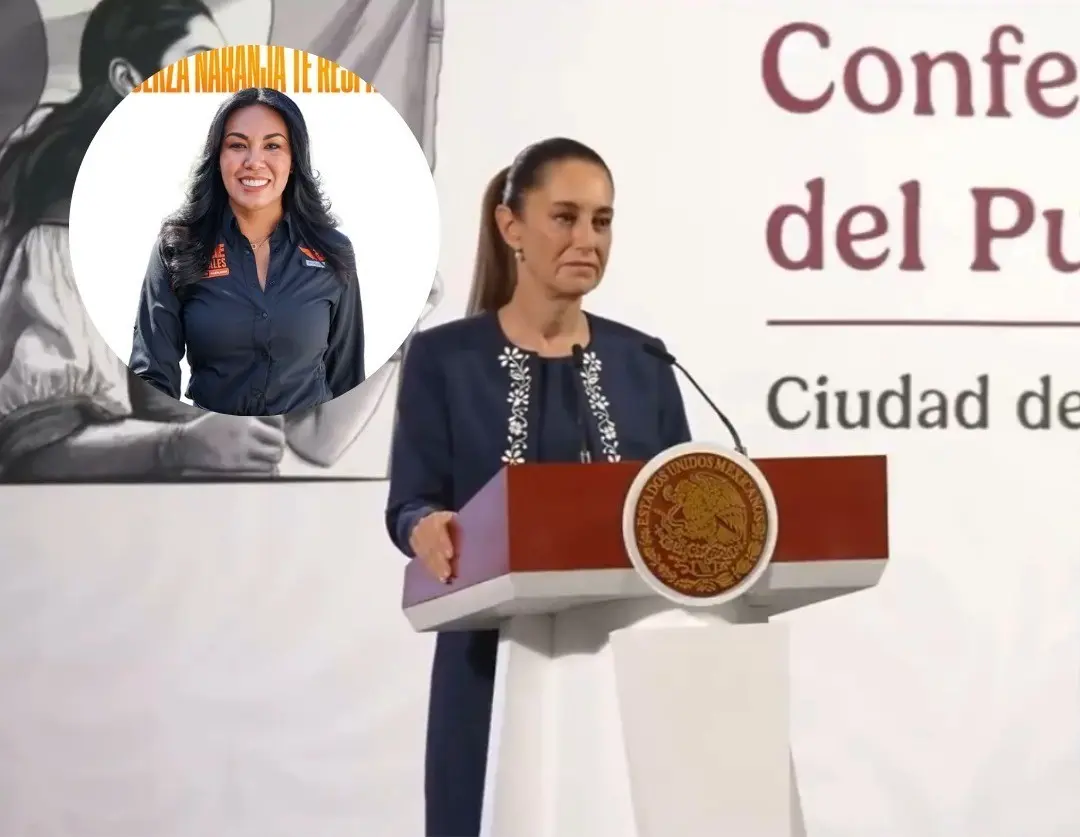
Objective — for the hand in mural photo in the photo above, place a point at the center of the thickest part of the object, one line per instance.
(217, 442)
(432, 543)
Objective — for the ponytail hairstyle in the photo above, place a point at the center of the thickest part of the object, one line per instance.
(495, 270)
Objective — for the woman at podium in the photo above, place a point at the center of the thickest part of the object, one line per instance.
(527, 376)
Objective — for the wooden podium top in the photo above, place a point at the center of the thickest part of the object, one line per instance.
(556, 518)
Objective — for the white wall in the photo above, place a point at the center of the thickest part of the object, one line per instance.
(943, 703)
(226, 660)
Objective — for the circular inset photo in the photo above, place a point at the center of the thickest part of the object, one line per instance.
(255, 230)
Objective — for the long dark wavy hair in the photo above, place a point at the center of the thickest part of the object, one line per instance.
(190, 234)
(38, 170)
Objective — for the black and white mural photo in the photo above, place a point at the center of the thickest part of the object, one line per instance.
(70, 410)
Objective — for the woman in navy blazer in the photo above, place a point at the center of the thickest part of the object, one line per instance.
(528, 376)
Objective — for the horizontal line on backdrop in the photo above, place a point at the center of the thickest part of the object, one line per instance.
(216, 480)
(778, 323)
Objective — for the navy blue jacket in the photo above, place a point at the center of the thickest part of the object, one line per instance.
(470, 403)
(292, 346)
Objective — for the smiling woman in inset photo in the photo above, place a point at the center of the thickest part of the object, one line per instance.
(251, 278)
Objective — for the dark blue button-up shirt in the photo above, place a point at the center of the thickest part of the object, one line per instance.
(253, 351)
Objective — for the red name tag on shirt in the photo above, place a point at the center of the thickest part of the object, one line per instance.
(313, 258)
(218, 266)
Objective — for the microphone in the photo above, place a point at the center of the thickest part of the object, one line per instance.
(668, 358)
(578, 354)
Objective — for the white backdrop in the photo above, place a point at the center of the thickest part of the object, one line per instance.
(251, 676)
(371, 168)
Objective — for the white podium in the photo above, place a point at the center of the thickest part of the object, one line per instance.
(641, 690)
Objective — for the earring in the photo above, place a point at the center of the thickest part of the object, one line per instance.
(519, 255)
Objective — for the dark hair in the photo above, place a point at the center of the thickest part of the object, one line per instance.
(190, 234)
(495, 272)
(37, 171)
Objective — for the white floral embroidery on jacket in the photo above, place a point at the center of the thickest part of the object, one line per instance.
(599, 407)
(516, 362)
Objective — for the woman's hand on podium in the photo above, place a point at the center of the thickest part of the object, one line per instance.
(431, 543)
